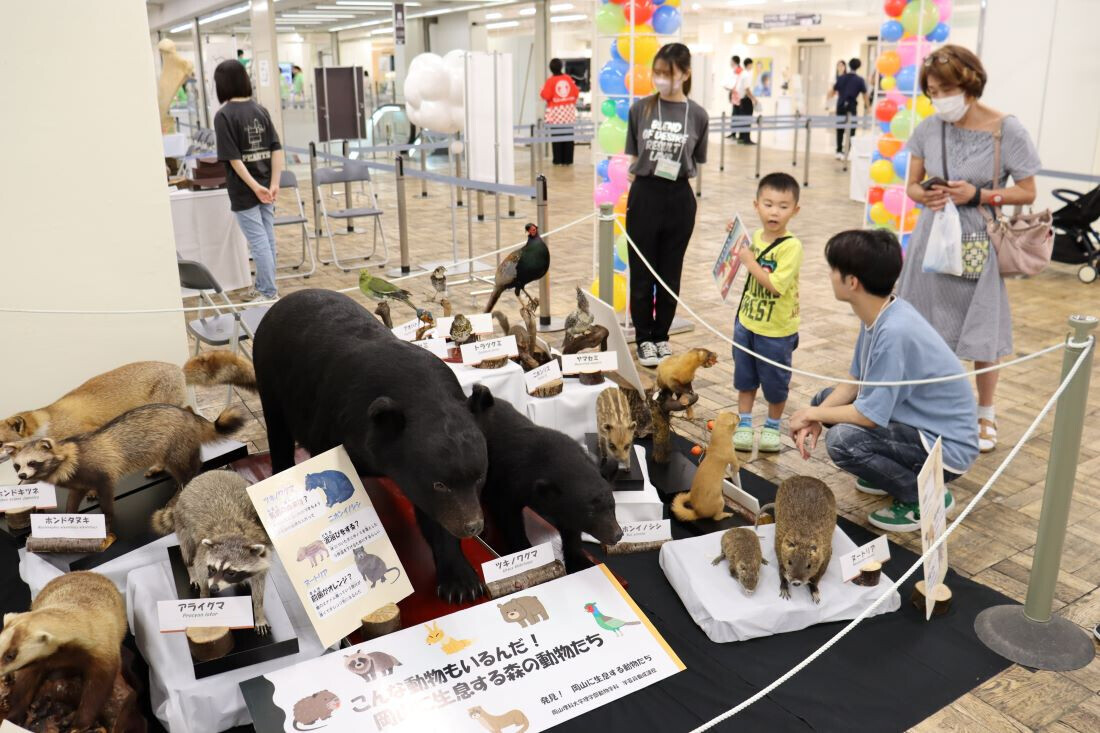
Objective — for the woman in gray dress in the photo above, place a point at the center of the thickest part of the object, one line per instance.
(957, 145)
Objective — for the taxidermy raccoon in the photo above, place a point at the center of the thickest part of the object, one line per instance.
(221, 538)
(162, 436)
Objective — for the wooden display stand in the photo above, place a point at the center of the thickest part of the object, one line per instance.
(626, 479)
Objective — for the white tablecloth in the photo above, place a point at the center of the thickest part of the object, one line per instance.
(506, 383)
(573, 412)
(36, 570)
(206, 231)
(725, 612)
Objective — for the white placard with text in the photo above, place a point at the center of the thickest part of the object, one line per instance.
(435, 345)
(479, 351)
(933, 522)
(589, 361)
(232, 611)
(6, 726)
(545, 374)
(877, 550)
(40, 495)
(656, 530)
(69, 526)
(518, 562)
(407, 330)
(482, 323)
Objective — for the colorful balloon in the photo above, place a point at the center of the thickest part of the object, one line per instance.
(896, 97)
(920, 17)
(901, 164)
(642, 11)
(885, 110)
(608, 107)
(666, 20)
(615, 52)
(618, 290)
(619, 264)
(879, 214)
(620, 248)
(875, 194)
(888, 145)
(944, 6)
(924, 107)
(884, 126)
(622, 109)
(612, 79)
(610, 20)
(640, 80)
(901, 125)
(882, 171)
(604, 194)
(888, 63)
(891, 31)
(913, 50)
(940, 33)
(893, 200)
(907, 79)
(911, 217)
(601, 169)
(888, 83)
(618, 172)
(620, 204)
(645, 47)
(894, 8)
(612, 136)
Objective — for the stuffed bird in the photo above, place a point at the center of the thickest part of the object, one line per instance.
(608, 622)
(462, 331)
(439, 280)
(379, 289)
(527, 264)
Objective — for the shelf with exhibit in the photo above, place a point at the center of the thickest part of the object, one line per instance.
(910, 31)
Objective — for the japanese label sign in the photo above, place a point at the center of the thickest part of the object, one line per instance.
(233, 611)
(545, 374)
(517, 562)
(69, 526)
(434, 345)
(28, 496)
(331, 542)
(407, 330)
(933, 522)
(479, 351)
(528, 662)
(877, 550)
(656, 530)
(590, 361)
(482, 323)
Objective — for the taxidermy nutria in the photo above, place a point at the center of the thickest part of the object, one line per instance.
(741, 550)
(221, 537)
(164, 436)
(546, 470)
(98, 401)
(805, 517)
(676, 373)
(76, 623)
(329, 373)
(706, 500)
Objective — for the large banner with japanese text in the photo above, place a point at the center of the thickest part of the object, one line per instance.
(526, 662)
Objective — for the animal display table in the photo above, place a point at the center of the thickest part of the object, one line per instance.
(573, 412)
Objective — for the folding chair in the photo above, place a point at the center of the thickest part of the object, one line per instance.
(350, 172)
(290, 181)
(229, 327)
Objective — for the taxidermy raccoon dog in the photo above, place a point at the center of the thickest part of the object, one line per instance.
(164, 436)
(77, 623)
(221, 538)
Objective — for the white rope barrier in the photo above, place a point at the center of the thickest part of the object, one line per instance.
(256, 303)
(920, 561)
(815, 375)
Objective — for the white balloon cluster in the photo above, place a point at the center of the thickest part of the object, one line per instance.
(434, 91)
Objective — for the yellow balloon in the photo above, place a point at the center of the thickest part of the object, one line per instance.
(879, 214)
(645, 46)
(618, 290)
(673, 3)
(924, 106)
(619, 227)
(888, 82)
(882, 171)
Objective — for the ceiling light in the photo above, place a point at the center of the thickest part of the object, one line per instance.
(727, 26)
(696, 7)
(753, 39)
(494, 16)
(568, 18)
(527, 11)
(224, 14)
(503, 24)
(382, 32)
(561, 7)
(366, 24)
(179, 28)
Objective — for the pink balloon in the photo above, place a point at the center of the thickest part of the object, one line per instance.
(605, 193)
(618, 171)
(913, 50)
(896, 97)
(893, 199)
(945, 9)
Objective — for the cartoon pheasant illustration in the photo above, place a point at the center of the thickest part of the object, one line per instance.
(608, 622)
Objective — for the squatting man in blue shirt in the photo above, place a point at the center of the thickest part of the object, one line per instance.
(883, 434)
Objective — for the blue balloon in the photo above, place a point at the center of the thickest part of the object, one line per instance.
(939, 33)
(905, 242)
(615, 53)
(876, 156)
(891, 31)
(601, 169)
(901, 162)
(907, 79)
(884, 126)
(619, 264)
(622, 109)
(612, 79)
(666, 19)
(658, 2)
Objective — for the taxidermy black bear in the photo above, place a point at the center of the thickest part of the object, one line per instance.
(329, 373)
(546, 470)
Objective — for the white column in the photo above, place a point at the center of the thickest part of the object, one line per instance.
(542, 56)
(265, 60)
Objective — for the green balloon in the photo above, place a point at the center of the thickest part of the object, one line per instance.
(609, 19)
(920, 17)
(612, 135)
(608, 108)
(620, 247)
(901, 123)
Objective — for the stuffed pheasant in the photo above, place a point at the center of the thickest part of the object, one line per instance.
(526, 265)
(608, 622)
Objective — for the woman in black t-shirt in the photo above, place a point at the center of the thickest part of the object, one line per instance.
(249, 146)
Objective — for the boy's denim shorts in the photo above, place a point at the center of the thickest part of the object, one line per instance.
(750, 373)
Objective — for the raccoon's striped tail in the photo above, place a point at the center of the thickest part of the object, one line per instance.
(164, 520)
(680, 509)
(212, 368)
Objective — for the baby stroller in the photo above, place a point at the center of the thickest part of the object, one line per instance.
(1075, 241)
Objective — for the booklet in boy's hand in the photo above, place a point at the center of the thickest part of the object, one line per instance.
(728, 263)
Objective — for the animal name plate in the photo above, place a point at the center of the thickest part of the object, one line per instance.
(479, 351)
(657, 530)
(406, 331)
(589, 362)
(877, 549)
(435, 345)
(69, 526)
(234, 612)
(545, 374)
(28, 496)
(6, 726)
(517, 562)
(482, 324)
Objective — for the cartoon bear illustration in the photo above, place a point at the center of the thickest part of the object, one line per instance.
(524, 610)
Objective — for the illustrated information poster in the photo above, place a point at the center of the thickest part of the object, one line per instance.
(933, 522)
(331, 542)
(525, 662)
(728, 264)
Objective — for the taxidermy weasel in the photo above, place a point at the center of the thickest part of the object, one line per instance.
(98, 401)
(221, 538)
(676, 373)
(76, 623)
(706, 499)
(165, 436)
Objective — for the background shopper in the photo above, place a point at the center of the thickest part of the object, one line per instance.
(560, 93)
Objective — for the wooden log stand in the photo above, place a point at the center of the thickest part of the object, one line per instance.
(209, 642)
(942, 598)
(385, 620)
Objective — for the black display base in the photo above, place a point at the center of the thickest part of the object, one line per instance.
(248, 647)
(626, 479)
(675, 477)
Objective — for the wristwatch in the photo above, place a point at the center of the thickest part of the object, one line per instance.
(976, 199)
(996, 199)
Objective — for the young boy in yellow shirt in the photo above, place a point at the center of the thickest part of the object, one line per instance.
(767, 316)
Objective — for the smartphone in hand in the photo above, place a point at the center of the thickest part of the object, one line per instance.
(928, 183)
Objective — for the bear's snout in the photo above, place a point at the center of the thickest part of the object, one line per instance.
(474, 527)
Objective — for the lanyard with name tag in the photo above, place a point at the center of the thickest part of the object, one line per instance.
(669, 168)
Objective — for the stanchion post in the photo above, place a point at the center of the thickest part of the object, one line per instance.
(759, 141)
(606, 254)
(794, 148)
(1030, 635)
(847, 138)
(402, 214)
(806, 162)
(511, 206)
(315, 193)
(699, 183)
(423, 169)
(545, 321)
(722, 145)
(481, 206)
(534, 163)
(345, 150)
(458, 174)
(538, 150)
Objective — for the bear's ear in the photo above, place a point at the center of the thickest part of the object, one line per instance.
(480, 400)
(547, 488)
(387, 415)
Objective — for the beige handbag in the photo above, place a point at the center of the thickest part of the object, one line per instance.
(1024, 242)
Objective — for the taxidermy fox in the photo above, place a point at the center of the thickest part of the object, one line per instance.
(76, 623)
(450, 646)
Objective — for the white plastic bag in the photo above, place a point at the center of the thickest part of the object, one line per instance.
(943, 253)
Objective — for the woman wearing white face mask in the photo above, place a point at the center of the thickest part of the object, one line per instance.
(957, 144)
(667, 138)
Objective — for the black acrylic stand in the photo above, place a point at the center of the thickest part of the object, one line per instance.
(626, 479)
(675, 477)
(248, 647)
